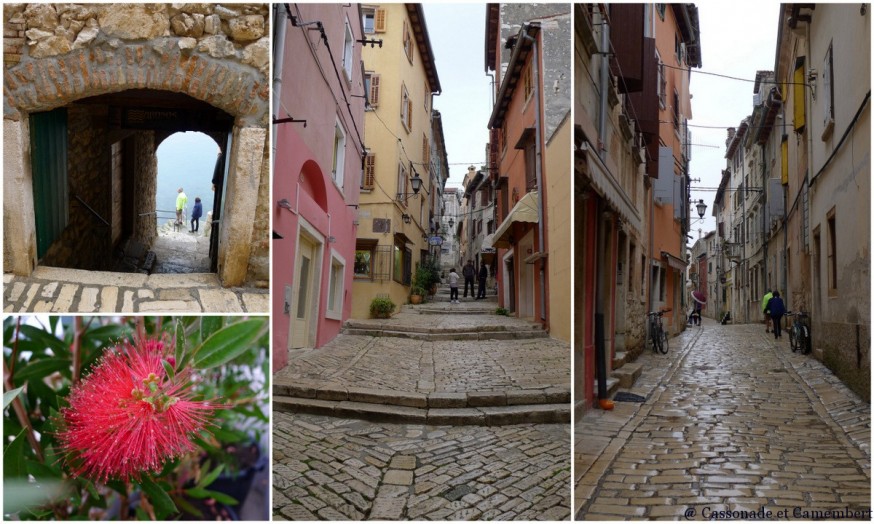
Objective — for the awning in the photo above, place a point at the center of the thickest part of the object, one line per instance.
(489, 241)
(673, 261)
(608, 187)
(525, 210)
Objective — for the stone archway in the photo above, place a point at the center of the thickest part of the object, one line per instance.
(213, 54)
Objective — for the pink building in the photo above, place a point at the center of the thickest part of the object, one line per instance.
(318, 116)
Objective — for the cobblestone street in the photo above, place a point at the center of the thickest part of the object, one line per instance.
(444, 412)
(733, 421)
(342, 469)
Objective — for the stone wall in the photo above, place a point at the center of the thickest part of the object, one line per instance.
(846, 350)
(145, 173)
(259, 258)
(86, 241)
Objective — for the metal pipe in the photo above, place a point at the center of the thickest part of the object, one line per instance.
(280, 17)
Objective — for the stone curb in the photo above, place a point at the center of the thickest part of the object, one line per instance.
(433, 337)
(434, 400)
(482, 416)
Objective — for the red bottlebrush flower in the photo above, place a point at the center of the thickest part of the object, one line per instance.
(128, 416)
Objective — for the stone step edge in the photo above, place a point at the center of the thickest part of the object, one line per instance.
(372, 326)
(434, 400)
(482, 416)
(449, 311)
(479, 335)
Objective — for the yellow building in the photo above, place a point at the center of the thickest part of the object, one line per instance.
(558, 183)
(393, 219)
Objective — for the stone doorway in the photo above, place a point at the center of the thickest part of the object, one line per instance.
(135, 75)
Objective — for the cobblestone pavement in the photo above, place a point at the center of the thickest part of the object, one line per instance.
(59, 290)
(328, 468)
(400, 364)
(733, 421)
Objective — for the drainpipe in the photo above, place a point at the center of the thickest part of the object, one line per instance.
(600, 291)
(280, 16)
(765, 216)
(538, 168)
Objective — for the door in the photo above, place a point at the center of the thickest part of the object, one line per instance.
(219, 182)
(48, 153)
(304, 276)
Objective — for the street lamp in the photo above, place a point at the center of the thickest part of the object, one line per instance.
(701, 207)
(415, 185)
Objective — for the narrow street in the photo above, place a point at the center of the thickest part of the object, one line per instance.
(733, 421)
(445, 411)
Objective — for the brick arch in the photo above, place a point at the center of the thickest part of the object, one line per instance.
(42, 84)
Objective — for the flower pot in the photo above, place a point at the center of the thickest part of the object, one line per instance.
(415, 299)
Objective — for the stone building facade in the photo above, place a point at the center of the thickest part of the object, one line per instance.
(91, 90)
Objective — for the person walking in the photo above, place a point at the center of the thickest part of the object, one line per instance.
(468, 272)
(453, 286)
(776, 309)
(196, 213)
(483, 276)
(181, 202)
(765, 300)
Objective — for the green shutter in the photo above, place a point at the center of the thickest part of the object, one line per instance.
(48, 150)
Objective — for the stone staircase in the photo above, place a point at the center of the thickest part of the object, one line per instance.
(623, 375)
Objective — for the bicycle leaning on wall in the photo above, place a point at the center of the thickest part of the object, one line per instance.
(799, 332)
(658, 337)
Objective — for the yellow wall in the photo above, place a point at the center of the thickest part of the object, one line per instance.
(382, 128)
(558, 208)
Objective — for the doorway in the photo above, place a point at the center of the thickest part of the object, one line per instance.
(306, 293)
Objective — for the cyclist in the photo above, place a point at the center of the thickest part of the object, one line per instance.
(777, 309)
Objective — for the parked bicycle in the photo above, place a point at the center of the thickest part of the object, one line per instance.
(658, 337)
(799, 332)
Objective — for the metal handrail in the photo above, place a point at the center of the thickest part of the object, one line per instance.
(89, 208)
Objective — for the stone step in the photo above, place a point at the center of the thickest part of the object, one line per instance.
(440, 297)
(627, 374)
(479, 416)
(619, 359)
(443, 400)
(612, 387)
(483, 334)
(445, 308)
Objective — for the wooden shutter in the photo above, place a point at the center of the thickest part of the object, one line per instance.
(409, 114)
(426, 153)
(369, 170)
(48, 150)
(374, 90)
(379, 20)
(798, 96)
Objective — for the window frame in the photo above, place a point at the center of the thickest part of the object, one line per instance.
(339, 155)
(406, 109)
(364, 246)
(336, 287)
(372, 12)
(348, 51)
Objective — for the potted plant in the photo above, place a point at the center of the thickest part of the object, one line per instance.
(417, 294)
(382, 307)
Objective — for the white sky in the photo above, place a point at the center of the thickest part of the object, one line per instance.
(734, 41)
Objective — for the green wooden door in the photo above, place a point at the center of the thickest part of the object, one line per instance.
(48, 151)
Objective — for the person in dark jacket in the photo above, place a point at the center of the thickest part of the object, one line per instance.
(776, 310)
(483, 276)
(195, 215)
(468, 272)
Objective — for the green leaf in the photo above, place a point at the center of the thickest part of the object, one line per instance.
(227, 343)
(13, 457)
(160, 499)
(210, 478)
(200, 493)
(168, 368)
(118, 486)
(40, 471)
(187, 507)
(180, 341)
(42, 368)
(45, 339)
(228, 435)
(208, 326)
(9, 396)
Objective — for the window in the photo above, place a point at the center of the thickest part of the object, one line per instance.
(676, 111)
(402, 268)
(402, 184)
(335, 288)
(406, 109)
(367, 181)
(368, 19)
(347, 52)
(371, 88)
(662, 80)
(828, 94)
(832, 254)
(530, 166)
(339, 154)
(408, 43)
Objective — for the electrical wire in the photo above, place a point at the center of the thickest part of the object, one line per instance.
(761, 81)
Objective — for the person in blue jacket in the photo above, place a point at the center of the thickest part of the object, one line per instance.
(776, 309)
(195, 215)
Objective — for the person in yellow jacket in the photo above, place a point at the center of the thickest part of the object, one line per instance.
(181, 202)
(765, 311)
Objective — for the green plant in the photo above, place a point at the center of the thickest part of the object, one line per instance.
(502, 311)
(382, 307)
(427, 274)
(47, 474)
(416, 290)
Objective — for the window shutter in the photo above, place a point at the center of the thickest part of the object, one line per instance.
(374, 90)
(798, 97)
(379, 20)
(369, 170)
(409, 114)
